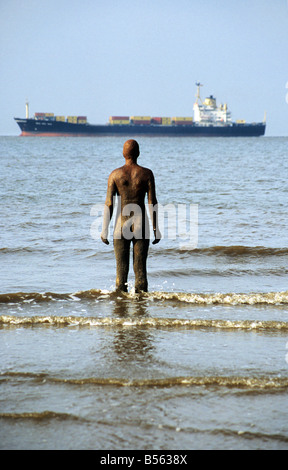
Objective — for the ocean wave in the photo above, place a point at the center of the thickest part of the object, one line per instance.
(48, 415)
(229, 250)
(27, 297)
(248, 434)
(239, 250)
(268, 298)
(264, 383)
(217, 250)
(39, 416)
(223, 272)
(147, 322)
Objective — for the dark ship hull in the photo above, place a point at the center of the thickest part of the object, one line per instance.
(36, 127)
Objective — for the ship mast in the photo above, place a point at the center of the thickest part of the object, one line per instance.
(198, 84)
(27, 109)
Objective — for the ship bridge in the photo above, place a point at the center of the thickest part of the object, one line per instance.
(208, 113)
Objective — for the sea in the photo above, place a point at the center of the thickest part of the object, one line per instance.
(200, 361)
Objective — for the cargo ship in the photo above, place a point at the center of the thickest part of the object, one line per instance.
(209, 120)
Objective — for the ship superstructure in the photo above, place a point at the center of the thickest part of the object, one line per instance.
(207, 112)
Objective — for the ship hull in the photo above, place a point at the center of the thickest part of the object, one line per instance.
(34, 127)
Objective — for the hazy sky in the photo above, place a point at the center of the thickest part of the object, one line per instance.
(142, 57)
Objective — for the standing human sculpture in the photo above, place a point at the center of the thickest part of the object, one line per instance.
(131, 183)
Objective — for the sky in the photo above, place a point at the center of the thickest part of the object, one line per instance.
(99, 58)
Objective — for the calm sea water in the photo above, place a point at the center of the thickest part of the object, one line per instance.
(201, 361)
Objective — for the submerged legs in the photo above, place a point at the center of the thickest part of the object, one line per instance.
(122, 255)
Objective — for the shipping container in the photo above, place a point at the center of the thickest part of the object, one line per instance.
(60, 118)
(39, 116)
(122, 122)
(140, 118)
(44, 114)
(82, 119)
(182, 121)
(156, 120)
(166, 121)
(119, 118)
(141, 123)
(72, 119)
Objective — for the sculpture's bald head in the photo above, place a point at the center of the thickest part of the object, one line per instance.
(131, 150)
